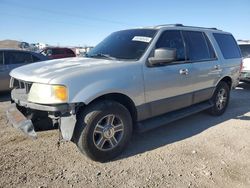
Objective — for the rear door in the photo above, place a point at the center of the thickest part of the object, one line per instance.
(206, 66)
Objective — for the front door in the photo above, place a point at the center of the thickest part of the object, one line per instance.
(168, 87)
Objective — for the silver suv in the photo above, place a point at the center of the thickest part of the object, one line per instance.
(135, 79)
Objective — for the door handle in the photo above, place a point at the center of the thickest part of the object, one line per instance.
(183, 71)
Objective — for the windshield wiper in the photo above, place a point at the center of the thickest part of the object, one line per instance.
(100, 55)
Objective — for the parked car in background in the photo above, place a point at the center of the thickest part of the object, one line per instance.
(57, 53)
(245, 51)
(12, 58)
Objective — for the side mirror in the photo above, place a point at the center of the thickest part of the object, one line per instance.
(163, 55)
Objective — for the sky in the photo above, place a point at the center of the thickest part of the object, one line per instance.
(84, 23)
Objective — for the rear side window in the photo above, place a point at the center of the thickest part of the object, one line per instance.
(198, 47)
(228, 45)
(17, 57)
(172, 39)
(1, 58)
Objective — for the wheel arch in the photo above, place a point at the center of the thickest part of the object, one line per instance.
(120, 98)
(228, 80)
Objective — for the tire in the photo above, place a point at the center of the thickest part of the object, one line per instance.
(103, 130)
(220, 99)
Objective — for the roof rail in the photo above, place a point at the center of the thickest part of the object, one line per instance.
(181, 25)
(173, 25)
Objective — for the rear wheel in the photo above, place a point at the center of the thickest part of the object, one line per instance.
(220, 99)
(104, 129)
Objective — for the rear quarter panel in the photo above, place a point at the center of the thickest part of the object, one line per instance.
(229, 67)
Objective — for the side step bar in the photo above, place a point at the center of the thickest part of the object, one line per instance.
(164, 119)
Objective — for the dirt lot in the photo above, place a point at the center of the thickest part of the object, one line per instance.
(198, 151)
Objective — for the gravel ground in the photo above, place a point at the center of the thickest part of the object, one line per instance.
(198, 151)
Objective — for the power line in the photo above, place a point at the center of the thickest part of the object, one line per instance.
(46, 20)
(78, 16)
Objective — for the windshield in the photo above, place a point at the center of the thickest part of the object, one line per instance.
(245, 50)
(127, 44)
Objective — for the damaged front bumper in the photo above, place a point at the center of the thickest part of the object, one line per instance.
(62, 114)
(19, 121)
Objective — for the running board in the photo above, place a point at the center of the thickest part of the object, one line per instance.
(171, 116)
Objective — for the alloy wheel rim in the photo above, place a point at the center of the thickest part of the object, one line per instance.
(221, 99)
(108, 132)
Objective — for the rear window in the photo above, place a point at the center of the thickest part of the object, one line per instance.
(228, 45)
(197, 47)
(245, 50)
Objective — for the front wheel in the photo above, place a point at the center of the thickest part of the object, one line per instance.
(220, 99)
(104, 130)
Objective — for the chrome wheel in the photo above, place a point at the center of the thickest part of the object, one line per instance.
(108, 132)
(221, 99)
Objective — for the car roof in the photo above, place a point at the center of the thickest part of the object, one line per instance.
(57, 48)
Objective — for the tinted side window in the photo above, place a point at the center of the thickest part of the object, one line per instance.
(17, 57)
(172, 39)
(1, 58)
(197, 48)
(228, 45)
(57, 51)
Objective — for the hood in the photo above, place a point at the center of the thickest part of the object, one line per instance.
(43, 72)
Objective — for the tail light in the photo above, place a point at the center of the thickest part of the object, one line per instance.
(241, 65)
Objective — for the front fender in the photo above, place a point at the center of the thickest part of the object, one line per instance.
(103, 87)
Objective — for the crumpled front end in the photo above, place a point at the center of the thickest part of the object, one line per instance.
(19, 121)
(24, 115)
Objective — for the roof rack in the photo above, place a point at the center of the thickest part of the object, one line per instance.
(170, 25)
(181, 25)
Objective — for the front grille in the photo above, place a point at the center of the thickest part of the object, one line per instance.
(20, 84)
